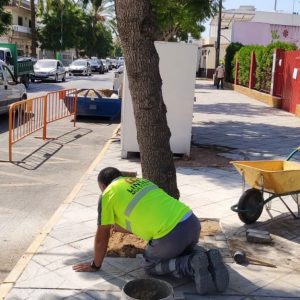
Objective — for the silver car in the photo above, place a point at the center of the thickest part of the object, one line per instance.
(49, 69)
(80, 67)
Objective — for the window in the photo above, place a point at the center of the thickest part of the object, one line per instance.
(20, 21)
(9, 76)
(29, 23)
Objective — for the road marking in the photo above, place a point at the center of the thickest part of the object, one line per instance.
(16, 272)
(36, 180)
(22, 184)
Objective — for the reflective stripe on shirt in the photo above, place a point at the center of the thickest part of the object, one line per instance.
(135, 200)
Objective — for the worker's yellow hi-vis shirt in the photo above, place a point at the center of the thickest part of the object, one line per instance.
(141, 207)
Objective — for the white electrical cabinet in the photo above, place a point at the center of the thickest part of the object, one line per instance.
(177, 65)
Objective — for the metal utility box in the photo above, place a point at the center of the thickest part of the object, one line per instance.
(178, 63)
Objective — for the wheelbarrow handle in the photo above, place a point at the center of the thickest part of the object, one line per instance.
(293, 153)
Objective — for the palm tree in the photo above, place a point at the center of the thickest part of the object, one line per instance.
(102, 11)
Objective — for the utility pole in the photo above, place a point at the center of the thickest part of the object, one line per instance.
(218, 35)
(275, 5)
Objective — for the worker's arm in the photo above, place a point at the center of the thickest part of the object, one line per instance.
(100, 247)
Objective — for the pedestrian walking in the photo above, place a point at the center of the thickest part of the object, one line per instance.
(140, 207)
(220, 73)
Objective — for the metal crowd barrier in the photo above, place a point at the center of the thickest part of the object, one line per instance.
(28, 116)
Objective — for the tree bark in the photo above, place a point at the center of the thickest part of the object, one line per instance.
(33, 29)
(137, 33)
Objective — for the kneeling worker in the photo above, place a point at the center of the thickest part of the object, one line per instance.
(143, 209)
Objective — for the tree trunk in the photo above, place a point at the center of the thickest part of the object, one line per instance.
(137, 31)
(33, 29)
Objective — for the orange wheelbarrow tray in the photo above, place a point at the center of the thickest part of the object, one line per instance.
(278, 178)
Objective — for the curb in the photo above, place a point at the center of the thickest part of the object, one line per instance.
(15, 273)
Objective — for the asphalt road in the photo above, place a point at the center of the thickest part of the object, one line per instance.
(31, 191)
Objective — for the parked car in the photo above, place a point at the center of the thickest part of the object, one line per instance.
(109, 64)
(120, 62)
(49, 69)
(105, 65)
(80, 67)
(113, 63)
(97, 65)
(11, 90)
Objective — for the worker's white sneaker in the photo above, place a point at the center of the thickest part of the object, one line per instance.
(218, 270)
(199, 265)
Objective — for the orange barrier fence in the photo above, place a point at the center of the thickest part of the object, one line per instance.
(30, 115)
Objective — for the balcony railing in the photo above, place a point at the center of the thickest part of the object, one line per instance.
(19, 28)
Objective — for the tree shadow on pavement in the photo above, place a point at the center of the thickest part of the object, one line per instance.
(256, 140)
(38, 157)
(237, 109)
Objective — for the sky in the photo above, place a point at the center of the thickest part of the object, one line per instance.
(263, 5)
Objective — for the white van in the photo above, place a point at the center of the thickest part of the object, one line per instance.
(10, 89)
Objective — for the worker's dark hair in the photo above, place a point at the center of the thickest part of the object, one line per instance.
(107, 175)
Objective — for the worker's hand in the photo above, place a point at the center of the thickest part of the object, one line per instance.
(84, 267)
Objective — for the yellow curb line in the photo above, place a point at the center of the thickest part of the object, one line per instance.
(15, 273)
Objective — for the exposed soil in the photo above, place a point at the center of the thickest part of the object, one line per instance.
(125, 245)
(209, 227)
(128, 245)
(204, 156)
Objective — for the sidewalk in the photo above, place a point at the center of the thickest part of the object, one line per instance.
(225, 118)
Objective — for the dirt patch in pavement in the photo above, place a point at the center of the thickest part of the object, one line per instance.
(204, 156)
(209, 227)
(128, 245)
(285, 249)
(125, 245)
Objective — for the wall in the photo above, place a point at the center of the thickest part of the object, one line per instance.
(246, 33)
(277, 18)
(208, 58)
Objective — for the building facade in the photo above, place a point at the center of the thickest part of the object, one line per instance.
(247, 26)
(20, 32)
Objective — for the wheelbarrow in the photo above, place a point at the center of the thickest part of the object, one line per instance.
(277, 178)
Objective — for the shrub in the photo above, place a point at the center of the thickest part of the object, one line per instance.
(264, 62)
(229, 67)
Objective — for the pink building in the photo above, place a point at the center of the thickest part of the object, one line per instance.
(251, 33)
(247, 26)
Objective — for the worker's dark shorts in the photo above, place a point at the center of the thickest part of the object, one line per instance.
(180, 241)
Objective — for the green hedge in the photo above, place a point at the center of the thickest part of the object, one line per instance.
(229, 60)
(264, 61)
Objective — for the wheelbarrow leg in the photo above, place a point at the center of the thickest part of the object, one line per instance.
(291, 212)
(296, 199)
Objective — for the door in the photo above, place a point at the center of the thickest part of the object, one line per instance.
(60, 70)
(291, 85)
(11, 86)
(3, 94)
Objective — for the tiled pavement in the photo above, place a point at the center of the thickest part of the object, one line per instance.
(221, 117)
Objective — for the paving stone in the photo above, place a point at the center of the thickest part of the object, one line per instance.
(47, 294)
(60, 257)
(278, 288)
(105, 295)
(73, 232)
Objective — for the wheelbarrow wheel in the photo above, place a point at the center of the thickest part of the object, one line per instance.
(250, 206)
